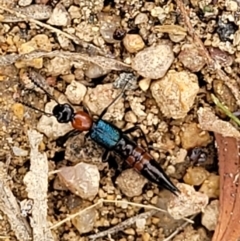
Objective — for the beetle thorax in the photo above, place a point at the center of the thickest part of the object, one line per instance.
(82, 121)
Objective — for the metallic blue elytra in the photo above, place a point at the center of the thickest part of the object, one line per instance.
(105, 134)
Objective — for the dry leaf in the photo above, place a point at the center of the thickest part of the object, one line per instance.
(229, 165)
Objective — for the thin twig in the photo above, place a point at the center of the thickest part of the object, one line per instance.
(123, 224)
(225, 109)
(53, 172)
(142, 206)
(75, 215)
(191, 31)
(100, 201)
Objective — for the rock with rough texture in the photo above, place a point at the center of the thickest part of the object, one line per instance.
(192, 58)
(211, 186)
(210, 215)
(192, 136)
(153, 62)
(192, 234)
(75, 92)
(85, 221)
(195, 176)
(17, 151)
(100, 97)
(24, 3)
(175, 93)
(133, 43)
(188, 202)
(58, 66)
(60, 16)
(81, 179)
(38, 42)
(131, 183)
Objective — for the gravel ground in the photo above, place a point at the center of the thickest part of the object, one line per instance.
(180, 62)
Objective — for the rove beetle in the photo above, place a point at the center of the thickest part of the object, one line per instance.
(111, 138)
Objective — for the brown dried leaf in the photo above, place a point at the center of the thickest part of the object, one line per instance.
(229, 165)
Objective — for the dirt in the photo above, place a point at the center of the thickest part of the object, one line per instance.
(174, 54)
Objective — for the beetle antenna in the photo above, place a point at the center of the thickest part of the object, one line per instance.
(44, 90)
(34, 108)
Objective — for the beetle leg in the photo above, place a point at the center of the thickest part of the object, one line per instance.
(62, 139)
(106, 156)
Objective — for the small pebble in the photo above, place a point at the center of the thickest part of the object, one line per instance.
(129, 231)
(114, 221)
(17, 151)
(108, 31)
(65, 43)
(155, 220)
(140, 223)
(170, 170)
(153, 62)
(24, 3)
(130, 117)
(144, 84)
(131, 183)
(195, 176)
(231, 6)
(181, 155)
(75, 92)
(191, 136)
(18, 110)
(192, 58)
(81, 179)
(154, 200)
(175, 93)
(150, 193)
(211, 186)
(100, 97)
(141, 18)
(58, 66)
(188, 202)
(226, 29)
(146, 237)
(210, 215)
(85, 221)
(58, 185)
(133, 43)
(59, 17)
(94, 71)
(74, 12)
